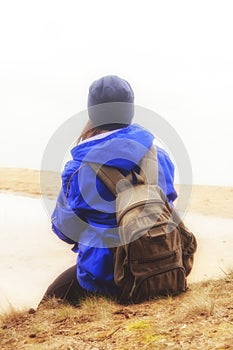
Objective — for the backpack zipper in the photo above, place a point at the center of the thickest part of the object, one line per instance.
(158, 258)
(138, 205)
(149, 237)
(163, 223)
(155, 274)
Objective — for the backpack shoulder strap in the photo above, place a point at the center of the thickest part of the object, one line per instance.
(149, 167)
(110, 176)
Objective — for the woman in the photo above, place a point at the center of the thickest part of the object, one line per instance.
(85, 212)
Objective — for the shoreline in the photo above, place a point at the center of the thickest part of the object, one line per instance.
(213, 200)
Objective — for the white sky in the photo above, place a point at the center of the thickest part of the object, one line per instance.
(177, 55)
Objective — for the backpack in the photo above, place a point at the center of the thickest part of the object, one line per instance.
(156, 250)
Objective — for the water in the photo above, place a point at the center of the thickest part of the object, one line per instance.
(31, 256)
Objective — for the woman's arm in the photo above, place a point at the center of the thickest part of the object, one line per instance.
(59, 217)
(166, 171)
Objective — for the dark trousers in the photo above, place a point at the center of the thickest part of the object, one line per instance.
(67, 288)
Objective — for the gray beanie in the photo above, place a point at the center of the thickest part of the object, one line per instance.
(110, 101)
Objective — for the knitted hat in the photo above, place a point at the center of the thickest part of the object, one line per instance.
(110, 100)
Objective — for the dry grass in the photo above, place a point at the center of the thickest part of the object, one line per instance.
(202, 318)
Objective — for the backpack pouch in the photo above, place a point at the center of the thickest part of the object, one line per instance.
(171, 282)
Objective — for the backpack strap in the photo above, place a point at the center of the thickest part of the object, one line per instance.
(108, 175)
(111, 176)
(149, 167)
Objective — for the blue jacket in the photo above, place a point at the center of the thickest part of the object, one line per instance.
(85, 213)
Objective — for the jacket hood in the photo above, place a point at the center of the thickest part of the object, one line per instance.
(123, 148)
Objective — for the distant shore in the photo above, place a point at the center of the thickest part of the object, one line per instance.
(206, 200)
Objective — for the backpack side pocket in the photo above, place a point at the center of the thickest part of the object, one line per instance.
(189, 247)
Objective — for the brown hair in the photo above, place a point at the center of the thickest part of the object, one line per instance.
(89, 130)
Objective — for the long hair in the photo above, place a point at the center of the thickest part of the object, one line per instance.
(89, 130)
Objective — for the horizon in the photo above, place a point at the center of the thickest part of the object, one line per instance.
(176, 184)
(179, 62)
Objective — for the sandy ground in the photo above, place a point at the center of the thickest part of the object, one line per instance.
(206, 200)
(31, 256)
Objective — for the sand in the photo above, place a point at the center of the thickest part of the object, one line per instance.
(206, 200)
(31, 256)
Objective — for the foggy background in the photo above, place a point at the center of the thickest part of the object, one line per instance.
(177, 55)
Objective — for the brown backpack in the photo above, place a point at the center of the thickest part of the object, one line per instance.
(157, 250)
